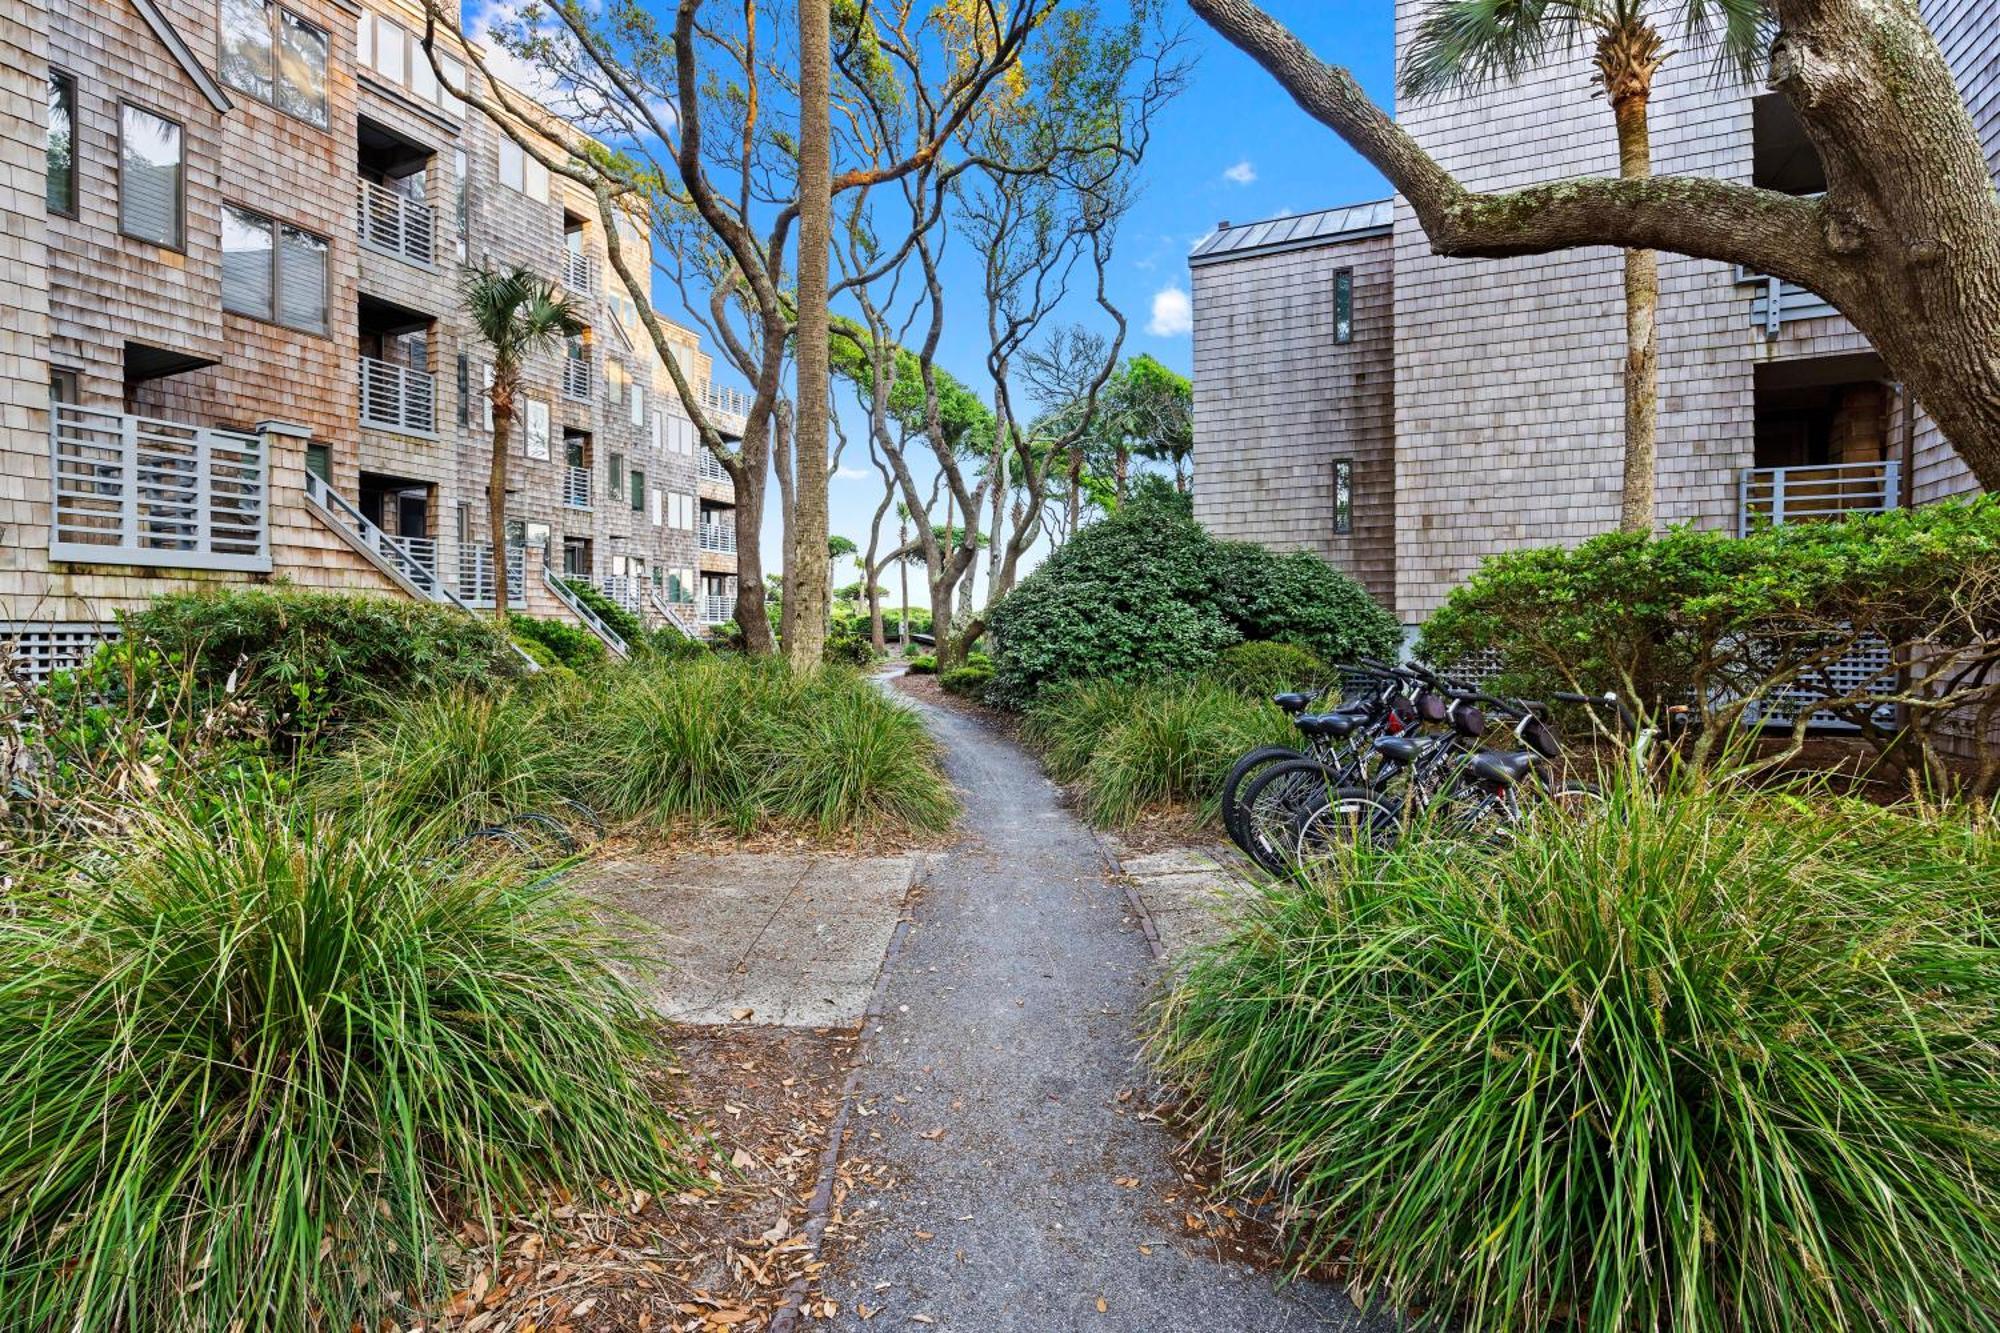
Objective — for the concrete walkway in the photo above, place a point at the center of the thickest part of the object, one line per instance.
(999, 1090)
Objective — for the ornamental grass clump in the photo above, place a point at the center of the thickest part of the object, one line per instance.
(1133, 748)
(259, 1065)
(1710, 1062)
(743, 743)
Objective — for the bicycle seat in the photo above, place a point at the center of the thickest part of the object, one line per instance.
(1292, 703)
(1505, 767)
(1398, 749)
(1325, 724)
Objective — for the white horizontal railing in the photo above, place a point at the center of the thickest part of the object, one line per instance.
(132, 490)
(475, 573)
(576, 378)
(1769, 496)
(722, 398)
(576, 488)
(718, 537)
(1777, 302)
(397, 398)
(396, 225)
(710, 468)
(414, 559)
(564, 594)
(715, 610)
(576, 271)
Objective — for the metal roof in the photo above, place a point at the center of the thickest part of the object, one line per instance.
(1326, 227)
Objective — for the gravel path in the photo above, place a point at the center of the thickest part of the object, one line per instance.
(992, 1088)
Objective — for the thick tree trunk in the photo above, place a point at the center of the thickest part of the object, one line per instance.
(903, 540)
(1905, 243)
(496, 500)
(809, 584)
(753, 619)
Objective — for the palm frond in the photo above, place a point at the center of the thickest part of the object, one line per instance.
(1737, 33)
(1471, 44)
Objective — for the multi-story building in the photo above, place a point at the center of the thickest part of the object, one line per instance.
(235, 349)
(1407, 414)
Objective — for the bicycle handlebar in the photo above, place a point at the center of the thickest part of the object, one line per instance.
(1607, 699)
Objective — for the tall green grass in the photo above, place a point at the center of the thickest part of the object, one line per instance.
(1711, 1063)
(254, 1069)
(747, 744)
(1133, 748)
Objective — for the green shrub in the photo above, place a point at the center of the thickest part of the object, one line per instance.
(849, 649)
(1148, 593)
(316, 662)
(257, 1073)
(620, 621)
(1727, 624)
(969, 681)
(1261, 669)
(923, 664)
(456, 759)
(673, 645)
(1712, 1063)
(564, 643)
(740, 742)
(1134, 748)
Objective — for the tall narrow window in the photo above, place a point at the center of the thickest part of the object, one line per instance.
(461, 198)
(391, 45)
(249, 267)
(1343, 305)
(247, 62)
(464, 389)
(301, 69)
(638, 489)
(512, 164)
(617, 473)
(319, 461)
(1343, 495)
(301, 280)
(150, 177)
(62, 143)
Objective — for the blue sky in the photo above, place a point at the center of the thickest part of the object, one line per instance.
(1234, 146)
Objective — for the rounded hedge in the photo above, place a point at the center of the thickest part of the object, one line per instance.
(1262, 668)
(1149, 593)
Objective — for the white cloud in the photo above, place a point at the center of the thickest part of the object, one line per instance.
(852, 474)
(1173, 313)
(1242, 173)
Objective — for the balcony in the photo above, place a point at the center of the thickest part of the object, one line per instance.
(397, 226)
(1777, 303)
(576, 488)
(475, 572)
(397, 398)
(132, 490)
(577, 272)
(710, 468)
(576, 379)
(625, 591)
(721, 398)
(719, 537)
(716, 609)
(1769, 496)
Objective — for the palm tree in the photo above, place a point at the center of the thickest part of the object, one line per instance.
(1469, 44)
(518, 314)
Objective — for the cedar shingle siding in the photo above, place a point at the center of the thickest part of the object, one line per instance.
(78, 292)
(1504, 427)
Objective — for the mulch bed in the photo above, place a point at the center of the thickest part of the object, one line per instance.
(760, 1103)
(926, 688)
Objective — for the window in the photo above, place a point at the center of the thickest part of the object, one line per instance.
(617, 465)
(273, 271)
(512, 164)
(635, 400)
(62, 144)
(301, 69)
(150, 177)
(1343, 305)
(659, 511)
(392, 45)
(461, 198)
(1343, 495)
(638, 489)
(276, 57)
(62, 386)
(464, 389)
(536, 442)
(319, 461)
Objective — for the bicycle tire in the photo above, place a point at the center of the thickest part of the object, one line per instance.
(1239, 776)
(1348, 814)
(1275, 801)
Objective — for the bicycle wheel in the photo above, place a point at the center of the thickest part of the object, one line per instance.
(1274, 804)
(1239, 776)
(1349, 817)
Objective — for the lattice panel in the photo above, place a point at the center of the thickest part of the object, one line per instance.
(34, 652)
